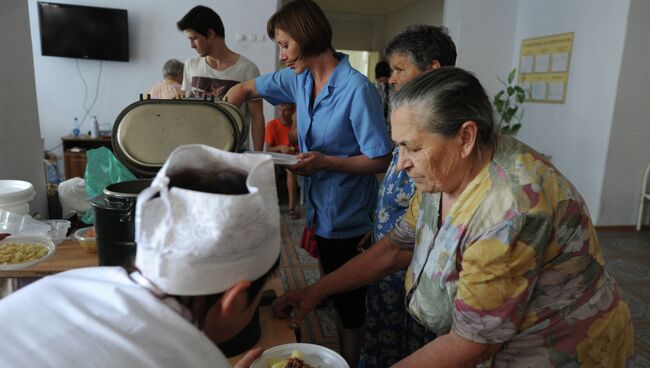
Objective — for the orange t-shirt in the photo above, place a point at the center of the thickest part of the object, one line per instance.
(277, 134)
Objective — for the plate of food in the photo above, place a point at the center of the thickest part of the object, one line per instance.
(278, 158)
(17, 252)
(300, 355)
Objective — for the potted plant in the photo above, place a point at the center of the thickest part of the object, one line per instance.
(507, 103)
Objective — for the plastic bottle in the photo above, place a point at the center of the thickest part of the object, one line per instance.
(75, 128)
(94, 129)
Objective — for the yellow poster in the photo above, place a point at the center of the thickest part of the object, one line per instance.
(544, 67)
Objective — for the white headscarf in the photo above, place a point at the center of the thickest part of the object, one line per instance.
(196, 243)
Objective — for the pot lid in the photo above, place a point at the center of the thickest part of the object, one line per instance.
(147, 131)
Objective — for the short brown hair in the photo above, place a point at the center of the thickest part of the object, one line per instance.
(306, 23)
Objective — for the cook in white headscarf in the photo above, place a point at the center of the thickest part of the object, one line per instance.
(208, 237)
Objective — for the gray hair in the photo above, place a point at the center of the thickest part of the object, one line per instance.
(172, 68)
(424, 44)
(447, 98)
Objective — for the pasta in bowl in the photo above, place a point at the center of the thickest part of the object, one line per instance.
(18, 252)
(315, 356)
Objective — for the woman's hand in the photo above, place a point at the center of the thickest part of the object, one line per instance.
(249, 358)
(295, 304)
(310, 163)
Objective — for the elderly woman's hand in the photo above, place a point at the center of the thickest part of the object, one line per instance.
(295, 304)
(310, 163)
(250, 357)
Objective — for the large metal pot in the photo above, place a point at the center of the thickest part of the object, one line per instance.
(114, 211)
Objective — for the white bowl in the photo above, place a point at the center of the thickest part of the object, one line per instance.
(314, 355)
(46, 242)
(15, 195)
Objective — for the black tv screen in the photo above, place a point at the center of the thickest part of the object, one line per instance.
(84, 32)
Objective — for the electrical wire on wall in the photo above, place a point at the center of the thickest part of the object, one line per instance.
(89, 108)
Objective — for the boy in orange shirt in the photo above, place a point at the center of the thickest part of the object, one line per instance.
(277, 140)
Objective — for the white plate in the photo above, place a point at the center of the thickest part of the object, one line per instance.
(46, 242)
(314, 355)
(278, 158)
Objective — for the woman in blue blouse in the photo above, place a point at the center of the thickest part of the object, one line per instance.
(343, 137)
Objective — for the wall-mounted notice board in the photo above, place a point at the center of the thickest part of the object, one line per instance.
(544, 67)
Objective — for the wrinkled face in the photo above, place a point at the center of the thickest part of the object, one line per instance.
(198, 42)
(289, 51)
(430, 159)
(402, 70)
(285, 111)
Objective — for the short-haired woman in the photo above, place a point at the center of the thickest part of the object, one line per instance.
(343, 138)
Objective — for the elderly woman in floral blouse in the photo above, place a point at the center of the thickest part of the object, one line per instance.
(503, 260)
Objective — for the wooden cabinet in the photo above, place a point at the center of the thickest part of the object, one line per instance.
(74, 153)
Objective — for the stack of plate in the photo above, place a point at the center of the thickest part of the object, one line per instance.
(278, 158)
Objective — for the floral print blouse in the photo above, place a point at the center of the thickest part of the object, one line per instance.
(393, 200)
(517, 260)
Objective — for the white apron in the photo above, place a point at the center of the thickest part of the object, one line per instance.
(98, 317)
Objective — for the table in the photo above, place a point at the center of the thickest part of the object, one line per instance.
(68, 255)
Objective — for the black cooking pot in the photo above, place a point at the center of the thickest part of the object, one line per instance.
(114, 211)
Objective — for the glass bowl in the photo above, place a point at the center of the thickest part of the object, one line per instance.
(86, 238)
(58, 229)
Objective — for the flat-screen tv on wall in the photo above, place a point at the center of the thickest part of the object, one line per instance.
(84, 32)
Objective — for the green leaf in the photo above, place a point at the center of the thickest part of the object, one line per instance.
(514, 110)
(520, 97)
(507, 102)
(511, 76)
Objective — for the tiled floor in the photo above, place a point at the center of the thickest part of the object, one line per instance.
(627, 255)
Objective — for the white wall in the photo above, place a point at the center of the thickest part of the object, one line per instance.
(357, 31)
(629, 145)
(421, 12)
(21, 150)
(577, 133)
(372, 32)
(153, 38)
(484, 34)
